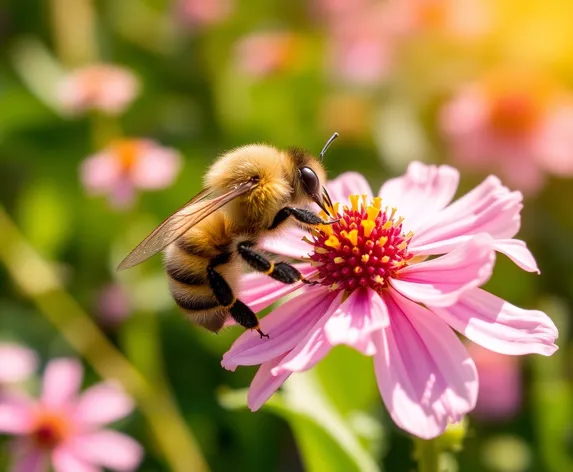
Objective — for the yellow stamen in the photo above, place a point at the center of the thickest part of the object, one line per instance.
(392, 213)
(321, 250)
(358, 270)
(373, 212)
(365, 258)
(353, 237)
(333, 242)
(368, 226)
(354, 202)
(378, 279)
(334, 287)
(385, 259)
(335, 207)
(387, 225)
(343, 223)
(403, 245)
(364, 200)
(355, 251)
(382, 241)
(338, 260)
(307, 241)
(327, 229)
(378, 202)
(400, 221)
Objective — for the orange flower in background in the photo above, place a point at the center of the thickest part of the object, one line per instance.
(261, 54)
(102, 87)
(127, 165)
(513, 122)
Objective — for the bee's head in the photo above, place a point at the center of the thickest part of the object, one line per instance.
(310, 177)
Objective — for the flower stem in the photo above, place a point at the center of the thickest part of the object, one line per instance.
(37, 280)
(427, 453)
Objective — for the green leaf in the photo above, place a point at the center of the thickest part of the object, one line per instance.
(325, 440)
(44, 216)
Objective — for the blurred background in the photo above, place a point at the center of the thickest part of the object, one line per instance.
(110, 112)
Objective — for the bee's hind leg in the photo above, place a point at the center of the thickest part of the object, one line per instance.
(240, 312)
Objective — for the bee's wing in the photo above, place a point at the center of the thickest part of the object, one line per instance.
(176, 225)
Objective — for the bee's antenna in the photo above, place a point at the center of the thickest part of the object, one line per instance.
(327, 145)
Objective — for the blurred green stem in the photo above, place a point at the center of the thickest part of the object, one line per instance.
(73, 24)
(427, 454)
(37, 280)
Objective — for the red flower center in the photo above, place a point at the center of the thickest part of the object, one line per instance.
(50, 429)
(363, 249)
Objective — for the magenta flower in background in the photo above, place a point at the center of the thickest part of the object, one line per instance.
(127, 165)
(515, 123)
(65, 429)
(17, 363)
(500, 392)
(381, 293)
(113, 305)
(102, 87)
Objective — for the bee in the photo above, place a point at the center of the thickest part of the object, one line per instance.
(248, 193)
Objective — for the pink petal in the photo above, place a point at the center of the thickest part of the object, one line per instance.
(489, 208)
(102, 404)
(64, 460)
(287, 242)
(17, 362)
(313, 347)
(421, 193)
(101, 172)
(62, 380)
(29, 459)
(156, 167)
(286, 326)
(349, 183)
(441, 281)
(425, 375)
(108, 449)
(362, 313)
(264, 384)
(517, 251)
(500, 326)
(16, 414)
(259, 290)
(122, 195)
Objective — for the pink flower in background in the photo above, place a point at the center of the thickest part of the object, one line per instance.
(127, 165)
(17, 363)
(518, 124)
(203, 12)
(114, 305)
(65, 429)
(464, 19)
(360, 44)
(100, 87)
(261, 54)
(380, 293)
(499, 396)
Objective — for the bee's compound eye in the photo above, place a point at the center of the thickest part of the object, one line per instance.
(310, 181)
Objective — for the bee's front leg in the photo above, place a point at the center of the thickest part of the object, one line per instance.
(300, 214)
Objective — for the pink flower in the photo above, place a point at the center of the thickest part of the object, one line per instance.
(127, 165)
(514, 122)
(114, 305)
(463, 19)
(360, 44)
(204, 13)
(381, 293)
(261, 54)
(17, 363)
(499, 396)
(65, 429)
(100, 87)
